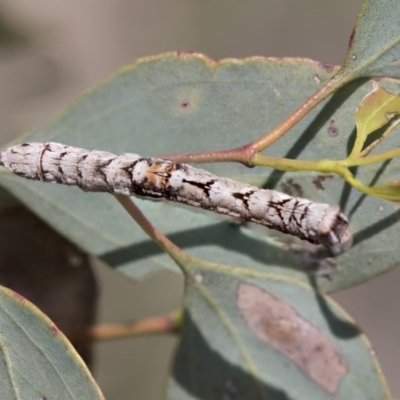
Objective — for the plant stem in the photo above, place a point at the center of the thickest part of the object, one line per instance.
(286, 164)
(176, 253)
(162, 324)
(380, 157)
(279, 131)
(239, 155)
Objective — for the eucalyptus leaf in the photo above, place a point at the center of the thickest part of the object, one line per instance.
(375, 42)
(374, 112)
(178, 103)
(37, 361)
(250, 335)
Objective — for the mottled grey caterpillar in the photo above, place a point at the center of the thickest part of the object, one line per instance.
(157, 178)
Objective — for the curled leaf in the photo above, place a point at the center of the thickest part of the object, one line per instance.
(376, 110)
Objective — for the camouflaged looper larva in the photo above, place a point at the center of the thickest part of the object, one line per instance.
(157, 178)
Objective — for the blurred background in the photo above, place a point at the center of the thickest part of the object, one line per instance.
(51, 50)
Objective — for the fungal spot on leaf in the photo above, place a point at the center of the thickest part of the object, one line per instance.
(333, 130)
(187, 102)
(390, 115)
(277, 92)
(327, 67)
(198, 278)
(292, 188)
(230, 389)
(352, 36)
(276, 323)
(317, 79)
(319, 180)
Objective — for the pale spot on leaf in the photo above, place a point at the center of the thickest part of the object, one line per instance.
(187, 102)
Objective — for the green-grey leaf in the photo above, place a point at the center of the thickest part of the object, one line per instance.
(184, 103)
(265, 336)
(37, 362)
(375, 42)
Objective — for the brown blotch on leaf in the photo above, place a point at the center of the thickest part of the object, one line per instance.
(292, 188)
(319, 180)
(275, 322)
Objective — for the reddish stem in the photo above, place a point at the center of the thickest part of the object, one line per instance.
(149, 326)
(176, 253)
